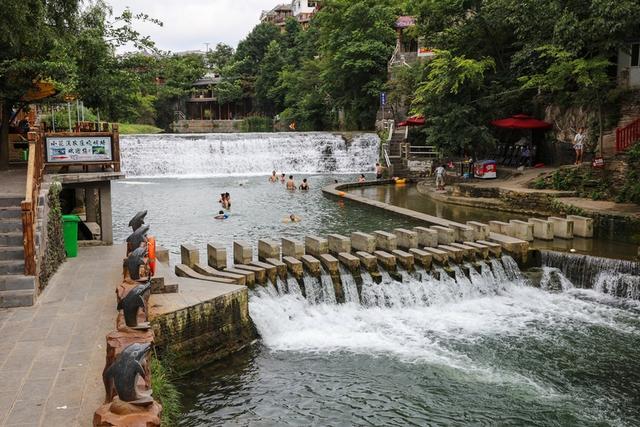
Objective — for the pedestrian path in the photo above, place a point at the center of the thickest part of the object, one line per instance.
(52, 354)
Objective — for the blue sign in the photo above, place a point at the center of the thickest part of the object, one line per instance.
(383, 98)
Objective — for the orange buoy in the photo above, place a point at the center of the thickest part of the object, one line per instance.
(341, 193)
(151, 251)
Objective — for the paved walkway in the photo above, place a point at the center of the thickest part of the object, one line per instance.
(52, 355)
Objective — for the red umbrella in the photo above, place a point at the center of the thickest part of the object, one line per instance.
(521, 121)
(413, 121)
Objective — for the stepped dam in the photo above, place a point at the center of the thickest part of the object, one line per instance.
(365, 332)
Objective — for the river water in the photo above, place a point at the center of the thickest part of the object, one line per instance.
(483, 349)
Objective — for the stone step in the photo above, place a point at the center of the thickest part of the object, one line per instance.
(8, 225)
(17, 282)
(10, 212)
(11, 239)
(12, 267)
(14, 201)
(11, 253)
(21, 298)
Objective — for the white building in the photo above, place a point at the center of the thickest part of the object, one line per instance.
(629, 65)
(304, 7)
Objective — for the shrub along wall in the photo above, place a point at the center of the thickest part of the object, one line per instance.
(54, 253)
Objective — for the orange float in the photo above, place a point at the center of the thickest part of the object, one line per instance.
(151, 251)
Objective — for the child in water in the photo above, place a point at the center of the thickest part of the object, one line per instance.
(292, 218)
(282, 179)
(304, 185)
(273, 177)
(362, 178)
(221, 215)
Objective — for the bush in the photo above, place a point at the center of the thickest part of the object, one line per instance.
(54, 254)
(165, 392)
(257, 124)
(631, 190)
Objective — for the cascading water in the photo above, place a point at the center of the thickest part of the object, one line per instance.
(227, 154)
(611, 276)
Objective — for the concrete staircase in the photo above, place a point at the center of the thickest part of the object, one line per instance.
(16, 289)
(398, 164)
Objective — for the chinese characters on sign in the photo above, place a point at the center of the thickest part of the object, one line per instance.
(72, 149)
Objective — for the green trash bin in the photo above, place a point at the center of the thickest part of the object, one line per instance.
(70, 231)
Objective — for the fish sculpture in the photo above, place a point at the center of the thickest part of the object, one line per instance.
(123, 372)
(138, 220)
(131, 303)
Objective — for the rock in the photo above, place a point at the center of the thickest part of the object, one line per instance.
(123, 414)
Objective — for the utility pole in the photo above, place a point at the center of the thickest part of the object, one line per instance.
(206, 50)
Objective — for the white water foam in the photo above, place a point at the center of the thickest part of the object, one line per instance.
(420, 321)
(246, 154)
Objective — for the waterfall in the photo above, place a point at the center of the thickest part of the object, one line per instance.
(207, 155)
(611, 276)
(349, 286)
(553, 280)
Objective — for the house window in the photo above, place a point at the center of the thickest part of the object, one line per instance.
(635, 55)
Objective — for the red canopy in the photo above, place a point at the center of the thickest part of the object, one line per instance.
(413, 121)
(521, 121)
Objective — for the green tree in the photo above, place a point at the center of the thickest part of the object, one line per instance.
(219, 57)
(268, 98)
(356, 41)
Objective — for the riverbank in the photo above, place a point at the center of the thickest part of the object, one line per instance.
(513, 195)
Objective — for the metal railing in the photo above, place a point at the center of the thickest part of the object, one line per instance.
(628, 135)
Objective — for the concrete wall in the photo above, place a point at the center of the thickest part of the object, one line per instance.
(203, 333)
(207, 126)
(628, 76)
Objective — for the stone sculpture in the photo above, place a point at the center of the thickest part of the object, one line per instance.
(134, 261)
(130, 304)
(138, 220)
(137, 237)
(123, 375)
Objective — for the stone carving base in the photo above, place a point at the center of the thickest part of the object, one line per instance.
(123, 414)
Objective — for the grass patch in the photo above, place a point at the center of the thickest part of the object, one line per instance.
(131, 128)
(165, 392)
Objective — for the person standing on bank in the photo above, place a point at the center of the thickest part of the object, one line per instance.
(578, 145)
(440, 173)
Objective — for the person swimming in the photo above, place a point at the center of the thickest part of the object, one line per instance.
(227, 198)
(292, 218)
(282, 178)
(291, 184)
(305, 185)
(362, 178)
(273, 177)
(221, 215)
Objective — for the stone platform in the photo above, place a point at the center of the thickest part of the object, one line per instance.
(52, 354)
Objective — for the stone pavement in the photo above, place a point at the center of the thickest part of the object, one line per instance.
(52, 354)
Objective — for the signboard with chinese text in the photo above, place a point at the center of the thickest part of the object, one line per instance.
(78, 149)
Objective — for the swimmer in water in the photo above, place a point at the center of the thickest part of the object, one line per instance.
(292, 218)
(305, 185)
(273, 177)
(221, 215)
(362, 178)
(291, 184)
(282, 179)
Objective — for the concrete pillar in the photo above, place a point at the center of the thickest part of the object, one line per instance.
(242, 253)
(294, 266)
(250, 276)
(91, 198)
(463, 232)
(438, 255)
(521, 230)
(368, 261)
(494, 248)
(481, 230)
(217, 256)
(542, 229)
(426, 236)
(422, 258)
(500, 227)
(582, 226)
(351, 262)
(312, 264)
(405, 259)
(292, 248)
(271, 270)
(469, 252)
(363, 242)
(338, 243)
(482, 251)
(445, 235)
(106, 221)
(455, 254)
(406, 239)
(562, 227)
(316, 246)
(260, 273)
(385, 241)
(330, 263)
(385, 259)
(280, 266)
(189, 255)
(268, 248)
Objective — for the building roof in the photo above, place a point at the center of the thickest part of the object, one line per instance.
(405, 21)
(207, 80)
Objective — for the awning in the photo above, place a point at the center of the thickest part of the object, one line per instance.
(413, 121)
(521, 121)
